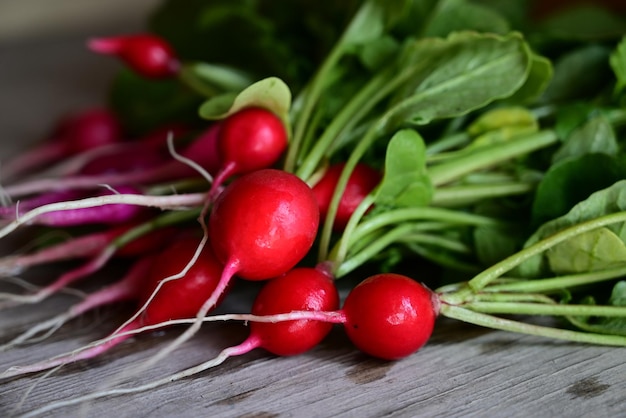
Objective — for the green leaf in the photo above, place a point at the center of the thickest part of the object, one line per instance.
(494, 244)
(571, 181)
(571, 116)
(539, 77)
(456, 15)
(603, 202)
(618, 64)
(405, 182)
(453, 76)
(371, 21)
(581, 73)
(210, 79)
(270, 93)
(502, 117)
(595, 136)
(594, 250)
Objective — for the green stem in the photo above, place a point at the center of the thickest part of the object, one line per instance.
(467, 194)
(313, 92)
(358, 106)
(489, 321)
(488, 156)
(529, 308)
(488, 275)
(557, 283)
(399, 233)
(338, 254)
(398, 216)
(509, 297)
(452, 141)
(443, 259)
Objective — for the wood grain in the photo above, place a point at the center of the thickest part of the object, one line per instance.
(464, 371)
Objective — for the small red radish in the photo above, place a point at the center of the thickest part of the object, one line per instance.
(300, 289)
(264, 223)
(204, 149)
(148, 55)
(180, 298)
(251, 139)
(390, 316)
(90, 129)
(74, 134)
(361, 182)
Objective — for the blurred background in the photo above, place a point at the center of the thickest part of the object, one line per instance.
(32, 19)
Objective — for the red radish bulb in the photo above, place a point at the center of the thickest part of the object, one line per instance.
(361, 182)
(148, 55)
(390, 316)
(263, 224)
(251, 139)
(90, 129)
(300, 289)
(180, 298)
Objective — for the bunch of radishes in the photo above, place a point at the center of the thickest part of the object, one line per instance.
(259, 227)
(190, 209)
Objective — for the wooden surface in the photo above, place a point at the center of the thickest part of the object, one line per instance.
(463, 371)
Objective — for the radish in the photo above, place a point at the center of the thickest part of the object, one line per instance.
(251, 139)
(83, 131)
(390, 316)
(163, 297)
(181, 298)
(262, 225)
(148, 55)
(300, 289)
(360, 183)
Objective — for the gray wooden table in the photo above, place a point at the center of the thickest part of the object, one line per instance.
(463, 371)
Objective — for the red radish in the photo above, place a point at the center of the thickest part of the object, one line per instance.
(361, 182)
(250, 139)
(77, 133)
(178, 296)
(91, 129)
(390, 316)
(264, 223)
(300, 289)
(204, 149)
(148, 55)
(261, 226)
